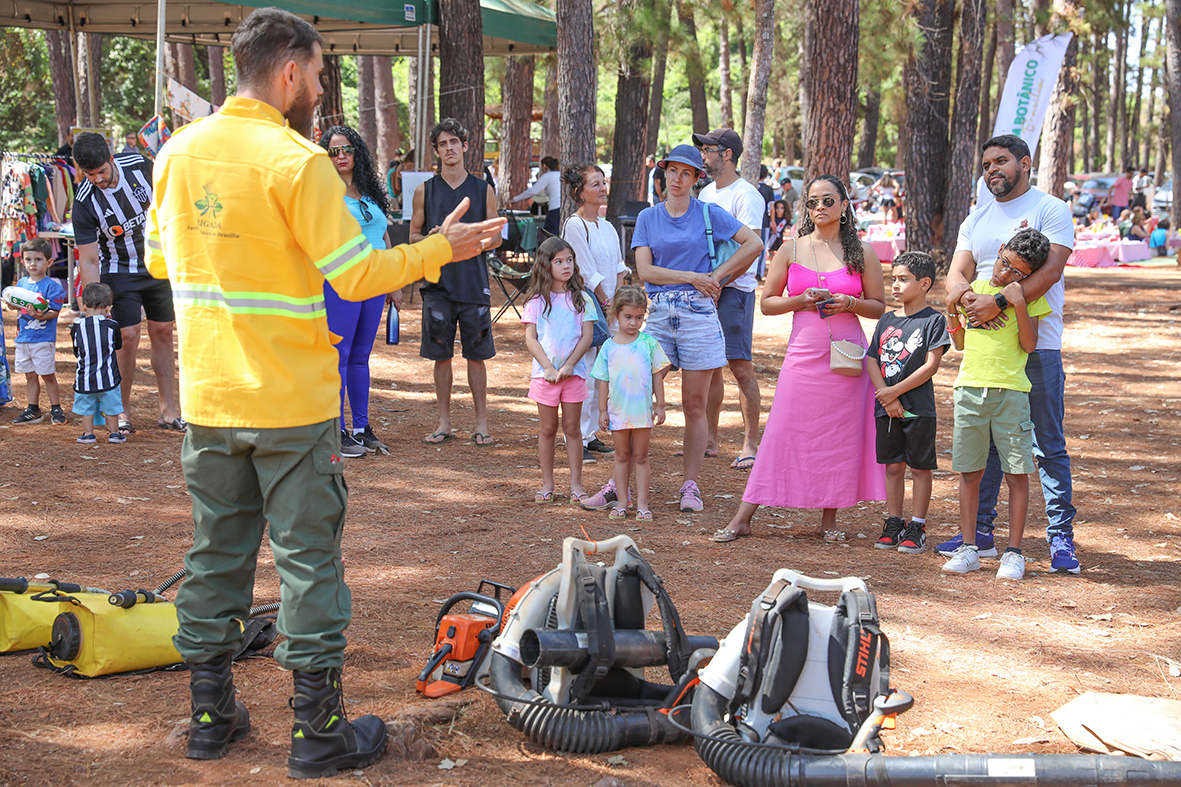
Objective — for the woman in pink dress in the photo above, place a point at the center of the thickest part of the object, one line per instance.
(818, 446)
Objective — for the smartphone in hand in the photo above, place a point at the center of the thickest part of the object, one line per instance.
(819, 292)
(820, 307)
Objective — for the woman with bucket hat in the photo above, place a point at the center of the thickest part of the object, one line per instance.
(683, 276)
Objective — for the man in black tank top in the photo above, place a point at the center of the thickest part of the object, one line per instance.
(461, 296)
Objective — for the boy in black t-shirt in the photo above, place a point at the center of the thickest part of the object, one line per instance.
(907, 347)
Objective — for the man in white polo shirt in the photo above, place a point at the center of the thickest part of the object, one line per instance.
(720, 150)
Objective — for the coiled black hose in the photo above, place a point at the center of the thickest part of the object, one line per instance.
(571, 730)
(745, 765)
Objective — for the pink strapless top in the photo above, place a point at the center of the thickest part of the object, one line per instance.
(800, 278)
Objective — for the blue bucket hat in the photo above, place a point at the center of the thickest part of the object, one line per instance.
(684, 154)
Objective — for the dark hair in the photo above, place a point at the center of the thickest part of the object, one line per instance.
(763, 172)
(1164, 223)
(364, 170)
(96, 295)
(550, 163)
(1031, 246)
(854, 252)
(269, 38)
(918, 263)
(786, 209)
(91, 150)
(451, 126)
(541, 278)
(628, 295)
(39, 245)
(1010, 142)
(575, 178)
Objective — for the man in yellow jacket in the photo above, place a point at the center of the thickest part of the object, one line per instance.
(248, 223)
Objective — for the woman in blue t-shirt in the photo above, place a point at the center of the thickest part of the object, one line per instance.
(356, 322)
(677, 265)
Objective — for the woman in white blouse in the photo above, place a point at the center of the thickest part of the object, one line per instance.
(548, 182)
(599, 257)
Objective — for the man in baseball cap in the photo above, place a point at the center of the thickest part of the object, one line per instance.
(720, 150)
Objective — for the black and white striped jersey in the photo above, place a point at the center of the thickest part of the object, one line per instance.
(116, 217)
(95, 341)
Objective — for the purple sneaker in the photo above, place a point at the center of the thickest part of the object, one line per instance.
(691, 497)
(602, 500)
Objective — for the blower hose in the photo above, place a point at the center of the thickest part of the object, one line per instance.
(571, 729)
(746, 764)
(172, 580)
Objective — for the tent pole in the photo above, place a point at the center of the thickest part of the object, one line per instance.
(160, 20)
(422, 133)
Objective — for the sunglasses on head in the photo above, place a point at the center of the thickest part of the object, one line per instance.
(345, 149)
(814, 203)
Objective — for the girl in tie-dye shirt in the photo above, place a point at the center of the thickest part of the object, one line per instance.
(629, 369)
(558, 319)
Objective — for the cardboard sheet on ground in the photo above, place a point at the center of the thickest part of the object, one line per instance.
(1108, 723)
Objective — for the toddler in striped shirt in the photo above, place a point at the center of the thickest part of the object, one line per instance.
(96, 337)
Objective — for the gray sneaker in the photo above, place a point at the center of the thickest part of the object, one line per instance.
(350, 448)
(31, 415)
(371, 443)
(599, 447)
(587, 457)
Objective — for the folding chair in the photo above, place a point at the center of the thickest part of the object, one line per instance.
(511, 281)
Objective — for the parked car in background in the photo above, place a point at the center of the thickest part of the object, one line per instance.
(797, 180)
(861, 185)
(1162, 201)
(1098, 184)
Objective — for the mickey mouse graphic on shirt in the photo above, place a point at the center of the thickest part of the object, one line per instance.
(894, 350)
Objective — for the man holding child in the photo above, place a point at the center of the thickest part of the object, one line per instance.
(1018, 206)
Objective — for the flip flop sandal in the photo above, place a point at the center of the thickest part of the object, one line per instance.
(175, 425)
(738, 460)
(126, 428)
(445, 436)
(482, 439)
(726, 535)
(643, 516)
(543, 497)
(617, 513)
(576, 498)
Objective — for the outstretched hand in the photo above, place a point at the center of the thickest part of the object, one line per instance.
(468, 240)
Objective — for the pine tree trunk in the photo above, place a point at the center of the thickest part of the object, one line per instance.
(984, 129)
(724, 90)
(867, 151)
(515, 143)
(1116, 96)
(832, 119)
(1058, 133)
(82, 96)
(1133, 143)
(807, 46)
(743, 69)
(331, 109)
(756, 92)
(1120, 96)
(551, 142)
(217, 74)
(95, 94)
(963, 122)
(461, 74)
(632, 93)
(186, 60)
(62, 77)
(367, 107)
(389, 134)
(694, 67)
(664, 10)
(1082, 103)
(577, 87)
(1173, 79)
(1099, 99)
(1005, 42)
(1150, 128)
(927, 100)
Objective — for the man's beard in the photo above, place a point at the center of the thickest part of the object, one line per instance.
(1003, 188)
(302, 111)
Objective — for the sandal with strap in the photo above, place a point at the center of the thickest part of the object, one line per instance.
(617, 513)
(543, 497)
(643, 515)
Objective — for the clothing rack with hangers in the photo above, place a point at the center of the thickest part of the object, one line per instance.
(33, 156)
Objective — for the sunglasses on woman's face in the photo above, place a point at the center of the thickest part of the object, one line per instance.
(336, 151)
(814, 203)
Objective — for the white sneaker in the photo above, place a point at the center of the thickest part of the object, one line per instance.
(1012, 566)
(963, 560)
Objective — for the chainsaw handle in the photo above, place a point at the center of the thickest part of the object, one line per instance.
(434, 661)
(467, 595)
(498, 586)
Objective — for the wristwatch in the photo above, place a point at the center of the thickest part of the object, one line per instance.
(1002, 302)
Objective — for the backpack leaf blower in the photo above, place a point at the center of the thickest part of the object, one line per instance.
(462, 641)
(577, 636)
(799, 692)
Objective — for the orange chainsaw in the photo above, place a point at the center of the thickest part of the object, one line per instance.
(462, 640)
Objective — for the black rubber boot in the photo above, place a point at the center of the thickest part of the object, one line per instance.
(218, 718)
(323, 741)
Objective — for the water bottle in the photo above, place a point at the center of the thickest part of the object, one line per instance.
(391, 326)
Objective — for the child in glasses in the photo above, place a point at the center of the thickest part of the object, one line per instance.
(992, 399)
(629, 369)
(559, 320)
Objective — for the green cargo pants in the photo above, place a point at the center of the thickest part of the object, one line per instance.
(241, 481)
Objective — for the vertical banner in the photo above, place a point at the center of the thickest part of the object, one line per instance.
(1029, 87)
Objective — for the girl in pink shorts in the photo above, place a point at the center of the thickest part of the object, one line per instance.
(558, 320)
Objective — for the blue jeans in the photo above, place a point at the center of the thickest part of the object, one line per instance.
(1046, 410)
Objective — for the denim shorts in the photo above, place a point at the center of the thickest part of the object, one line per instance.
(1001, 413)
(685, 322)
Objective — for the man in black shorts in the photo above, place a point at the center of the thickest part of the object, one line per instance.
(110, 211)
(461, 294)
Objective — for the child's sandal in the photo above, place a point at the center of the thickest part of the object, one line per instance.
(576, 498)
(543, 497)
(617, 513)
(643, 515)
